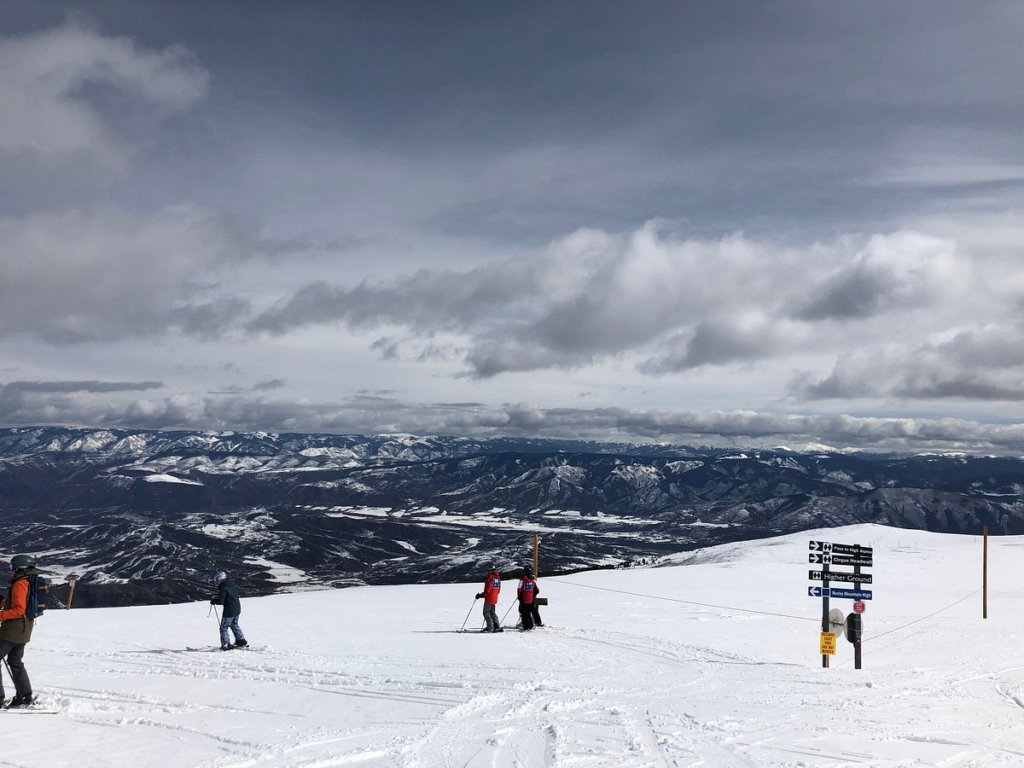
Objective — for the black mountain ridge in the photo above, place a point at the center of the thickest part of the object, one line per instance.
(146, 516)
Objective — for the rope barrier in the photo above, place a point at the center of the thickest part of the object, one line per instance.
(686, 602)
(817, 620)
(930, 615)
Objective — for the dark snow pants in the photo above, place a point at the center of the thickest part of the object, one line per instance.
(14, 652)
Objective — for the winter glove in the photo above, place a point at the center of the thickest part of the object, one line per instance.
(479, 595)
(213, 601)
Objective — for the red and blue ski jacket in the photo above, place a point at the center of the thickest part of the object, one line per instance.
(492, 586)
(527, 590)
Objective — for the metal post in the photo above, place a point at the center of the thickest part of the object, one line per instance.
(984, 574)
(856, 640)
(825, 626)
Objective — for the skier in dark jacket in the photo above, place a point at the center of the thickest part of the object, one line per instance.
(227, 595)
(527, 593)
(16, 630)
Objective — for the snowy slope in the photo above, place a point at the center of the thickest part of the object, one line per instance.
(713, 661)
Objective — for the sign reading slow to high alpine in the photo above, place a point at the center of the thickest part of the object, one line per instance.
(827, 553)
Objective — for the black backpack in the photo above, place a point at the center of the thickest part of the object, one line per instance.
(38, 589)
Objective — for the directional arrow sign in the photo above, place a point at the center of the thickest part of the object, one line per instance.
(852, 594)
(825, 558)
(840, 549)
(843, 576)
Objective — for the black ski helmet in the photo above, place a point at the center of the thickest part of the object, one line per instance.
(21, 562)
(219, 576)
(528, 569)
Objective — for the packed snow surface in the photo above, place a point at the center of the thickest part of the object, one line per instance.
(710, 661)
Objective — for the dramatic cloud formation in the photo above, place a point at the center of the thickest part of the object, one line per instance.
(799, 226)
(52, 85)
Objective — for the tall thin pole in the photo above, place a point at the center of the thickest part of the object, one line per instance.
(536, 553)
(72, 580)
(984, 574)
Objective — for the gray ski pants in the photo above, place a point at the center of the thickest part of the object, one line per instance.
(490, 616)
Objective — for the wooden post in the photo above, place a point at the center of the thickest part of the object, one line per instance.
(984, 573)
(72, 580)
(536, 553)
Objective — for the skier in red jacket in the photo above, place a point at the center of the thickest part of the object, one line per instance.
(527, 594)
(492, 588)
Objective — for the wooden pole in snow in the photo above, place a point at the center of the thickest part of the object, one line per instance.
(984, 573)
(72, 580)
(536, 554)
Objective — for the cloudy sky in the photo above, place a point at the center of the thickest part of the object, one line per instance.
(788, 224)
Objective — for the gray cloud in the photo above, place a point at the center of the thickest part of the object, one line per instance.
(975, 365)
(890, 274)
(719, 343)
(526, 201)
(106, 274)
(45, 79)
(677, 302)
(376, 414)
(78, 386)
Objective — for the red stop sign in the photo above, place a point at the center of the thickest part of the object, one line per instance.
(858, 606)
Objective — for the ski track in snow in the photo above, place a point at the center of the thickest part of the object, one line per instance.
(621, 682)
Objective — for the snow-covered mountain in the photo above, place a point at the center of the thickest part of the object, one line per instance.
(712, 660)
(144, 516)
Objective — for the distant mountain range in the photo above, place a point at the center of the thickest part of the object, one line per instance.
(146, 516)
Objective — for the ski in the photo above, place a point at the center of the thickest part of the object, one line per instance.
(23, 711)
(216, 648)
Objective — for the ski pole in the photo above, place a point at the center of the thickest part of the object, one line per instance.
(506, 614)
(463, 628)
(2, 702)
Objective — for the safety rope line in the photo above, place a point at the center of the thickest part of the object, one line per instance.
(686, 602)
(760, 613)
(930, 615)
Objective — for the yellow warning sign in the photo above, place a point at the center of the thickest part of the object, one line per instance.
(828, 644)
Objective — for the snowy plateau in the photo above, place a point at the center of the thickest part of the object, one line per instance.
(143, 517)
(709, 659)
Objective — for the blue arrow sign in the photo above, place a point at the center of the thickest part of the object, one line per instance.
(851, 594)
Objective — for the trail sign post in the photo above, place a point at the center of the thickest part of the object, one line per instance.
(828, 554)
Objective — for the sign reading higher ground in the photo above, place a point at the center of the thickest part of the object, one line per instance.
(858, 578)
